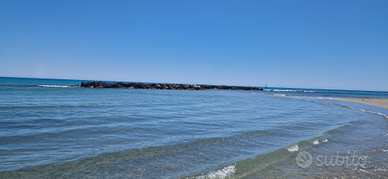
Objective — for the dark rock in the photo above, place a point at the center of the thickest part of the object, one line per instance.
(167, 86)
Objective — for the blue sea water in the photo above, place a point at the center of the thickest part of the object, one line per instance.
(50, 130)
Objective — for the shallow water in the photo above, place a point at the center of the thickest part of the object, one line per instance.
(63, 132)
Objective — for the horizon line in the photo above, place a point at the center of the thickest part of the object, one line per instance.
(188, 83)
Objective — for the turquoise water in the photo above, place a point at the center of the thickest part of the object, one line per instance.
(49, 130)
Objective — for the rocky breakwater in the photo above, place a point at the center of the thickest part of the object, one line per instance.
(167, 86)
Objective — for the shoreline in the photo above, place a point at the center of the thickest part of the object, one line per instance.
(379, 102)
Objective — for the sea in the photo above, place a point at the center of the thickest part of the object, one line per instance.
(51, 130)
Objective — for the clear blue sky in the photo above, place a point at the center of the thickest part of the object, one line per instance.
(332, 44)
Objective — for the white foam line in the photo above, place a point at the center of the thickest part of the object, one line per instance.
(302, 91)
(53, 86)
(362, 110)
(316, 142)
(293, 148)
(225, 172)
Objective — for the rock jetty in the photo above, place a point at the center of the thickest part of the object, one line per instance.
(166, 86)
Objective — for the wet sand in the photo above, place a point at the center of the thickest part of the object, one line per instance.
(380, 102)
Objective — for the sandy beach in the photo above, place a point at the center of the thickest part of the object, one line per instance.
(380, 102)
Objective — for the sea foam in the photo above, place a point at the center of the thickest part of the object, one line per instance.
(225, 172)
(293, 148)
(53, 86)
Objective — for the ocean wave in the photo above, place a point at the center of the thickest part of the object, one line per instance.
(293, 148)
(47, 86)
(280, 95)
(250, 167)
(300, 91)
(53, 86)
(225, 172)
(17, 85)
(316, 142)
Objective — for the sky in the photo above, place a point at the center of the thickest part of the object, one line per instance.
(327, 44)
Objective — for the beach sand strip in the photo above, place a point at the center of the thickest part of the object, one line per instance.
(380, 102)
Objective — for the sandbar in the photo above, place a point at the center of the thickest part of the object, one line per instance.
(380, 102)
